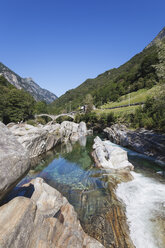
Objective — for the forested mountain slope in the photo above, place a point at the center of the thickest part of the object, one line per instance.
(27, 84)
(144, 70)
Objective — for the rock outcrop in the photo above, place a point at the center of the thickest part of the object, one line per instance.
(108, 156)
(45, 220)
(14, 161)
(40, 139)
(117, 168)
(142, 141)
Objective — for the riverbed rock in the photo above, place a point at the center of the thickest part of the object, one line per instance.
(45, 220)
(73, 131)
(108, 156)
(36, 140)
(113, 221)
(142, 141)
(14, 161)
(40, 139)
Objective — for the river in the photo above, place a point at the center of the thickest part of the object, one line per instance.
(70, 169)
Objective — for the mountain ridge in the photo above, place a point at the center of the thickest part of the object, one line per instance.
(159, 37)
(27, 84)
(143, 70)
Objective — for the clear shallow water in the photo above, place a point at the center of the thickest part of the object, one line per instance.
(70, 170)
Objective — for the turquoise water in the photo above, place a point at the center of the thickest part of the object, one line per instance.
(70, 169)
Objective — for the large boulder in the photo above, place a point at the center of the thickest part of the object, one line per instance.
(73, 131)
(14, 161)
(108, 156)
(36, 140)
(45, 220)
(142, 141)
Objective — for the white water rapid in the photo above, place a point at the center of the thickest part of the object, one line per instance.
(144, 198)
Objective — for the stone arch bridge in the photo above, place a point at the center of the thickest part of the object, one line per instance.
(54, 117)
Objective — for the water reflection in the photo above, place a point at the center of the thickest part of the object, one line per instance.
(69, 168)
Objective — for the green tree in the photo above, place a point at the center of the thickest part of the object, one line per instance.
(19, 106)
(89, 103)
(41, 107)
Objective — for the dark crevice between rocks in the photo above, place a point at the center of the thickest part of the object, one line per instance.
(26, 191)
(59, 216)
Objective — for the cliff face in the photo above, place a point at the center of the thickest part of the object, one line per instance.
(27, 84)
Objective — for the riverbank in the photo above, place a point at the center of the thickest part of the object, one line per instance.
(114, 161)
(42, 138)
(90, 189)
(40, 216)
(143, 141)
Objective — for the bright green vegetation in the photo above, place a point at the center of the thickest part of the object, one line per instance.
(143, 71)
(118, 111)
(139, 96)
(97, 121)
(151, 115)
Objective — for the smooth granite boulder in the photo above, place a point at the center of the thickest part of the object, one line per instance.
(36, 140)
(45, 220)
(108, 156)
(14, 161)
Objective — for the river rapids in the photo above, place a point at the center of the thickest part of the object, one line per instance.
(144, 198)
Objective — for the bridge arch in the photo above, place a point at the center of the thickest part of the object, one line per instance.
(54, 117)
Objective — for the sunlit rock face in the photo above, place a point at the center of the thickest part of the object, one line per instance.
(45, 220)
(142, 141)
(14, 161)
(109, 156)
(40, 139)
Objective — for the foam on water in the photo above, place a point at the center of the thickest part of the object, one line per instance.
(144, 198)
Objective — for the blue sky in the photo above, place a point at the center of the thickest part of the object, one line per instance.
(61, 43)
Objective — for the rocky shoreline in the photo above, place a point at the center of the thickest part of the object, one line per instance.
(41, 216)
(143, 141)
(44, 220)
(42, 138)
(114, 161)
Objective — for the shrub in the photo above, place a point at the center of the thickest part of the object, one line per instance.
(63, 118)
(31, 122)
